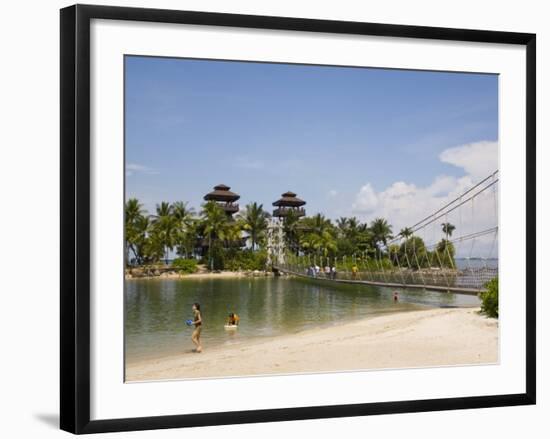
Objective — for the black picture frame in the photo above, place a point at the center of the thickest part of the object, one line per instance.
(75, 217)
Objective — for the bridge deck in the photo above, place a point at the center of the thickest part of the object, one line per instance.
(440, 288)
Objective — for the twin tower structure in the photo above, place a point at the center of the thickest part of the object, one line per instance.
(288, 204)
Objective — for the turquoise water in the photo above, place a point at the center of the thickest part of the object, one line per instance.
(156, 309)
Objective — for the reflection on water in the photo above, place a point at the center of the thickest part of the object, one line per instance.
(156, 309)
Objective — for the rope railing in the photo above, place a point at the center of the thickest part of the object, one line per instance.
(415, 263)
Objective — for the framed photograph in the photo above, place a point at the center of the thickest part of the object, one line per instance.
(273, 218)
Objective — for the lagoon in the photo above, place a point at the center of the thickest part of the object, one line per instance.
(156, 309)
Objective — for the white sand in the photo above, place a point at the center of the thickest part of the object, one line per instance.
(437, 337)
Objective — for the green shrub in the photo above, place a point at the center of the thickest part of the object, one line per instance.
(489, 299)
(413, 253)
(186, 266)
(444, 254)
(246, 260)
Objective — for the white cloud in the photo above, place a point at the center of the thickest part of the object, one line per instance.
(134, 168)
(366, 200)
(477, 159)
(404, 204)
(332, 193)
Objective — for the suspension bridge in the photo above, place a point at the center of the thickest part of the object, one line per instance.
(427, 257)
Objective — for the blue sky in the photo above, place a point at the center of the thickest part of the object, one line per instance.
(331, 134)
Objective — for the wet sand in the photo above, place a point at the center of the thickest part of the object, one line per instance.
(436, 337)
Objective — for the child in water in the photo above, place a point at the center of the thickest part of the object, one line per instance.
(197, 321)
(233, 319)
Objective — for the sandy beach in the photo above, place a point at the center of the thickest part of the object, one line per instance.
(202, 275)
(436, 337)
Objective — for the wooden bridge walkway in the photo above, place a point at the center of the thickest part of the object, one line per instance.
(440, 288)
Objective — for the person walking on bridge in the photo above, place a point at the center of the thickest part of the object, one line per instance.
(354, 271)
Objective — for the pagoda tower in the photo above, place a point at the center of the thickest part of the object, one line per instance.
(288, 204)
(224, 198)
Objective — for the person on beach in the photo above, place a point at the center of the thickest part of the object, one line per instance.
(197, 321)
(233, 319)
(395, 296)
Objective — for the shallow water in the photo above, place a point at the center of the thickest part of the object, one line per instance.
(156, 309)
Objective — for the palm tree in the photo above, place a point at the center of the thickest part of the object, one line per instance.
(381, 231)
(406, 232)
(187, 238)
(141, 231)
(448, 229)
(320, 243)
(291, 229)
(317, 224)
(163, 209)
(165, 225)
(185, 222)
(133, 212)
(216, 228)
(348, 227)
(320, 235)
(353, 225)
(153, 245)
(364, 237)
(183, 214)
(445, 247)
(254, 221)
(342, 225)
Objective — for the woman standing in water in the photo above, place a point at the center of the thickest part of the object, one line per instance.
(197, 321)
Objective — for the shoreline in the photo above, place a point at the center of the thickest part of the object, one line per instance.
(203, 275)
(425, 338)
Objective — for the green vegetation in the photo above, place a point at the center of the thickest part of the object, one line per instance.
(445, 253)
(254, 221)
(218, 233)
(185, 266)
(412, 252)
(448, 229)
(222, 242)
(213, 237)
(369, 246)
(489, 299)
(245, 260)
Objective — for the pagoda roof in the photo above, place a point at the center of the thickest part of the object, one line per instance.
(289, 199)
(221, 192)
